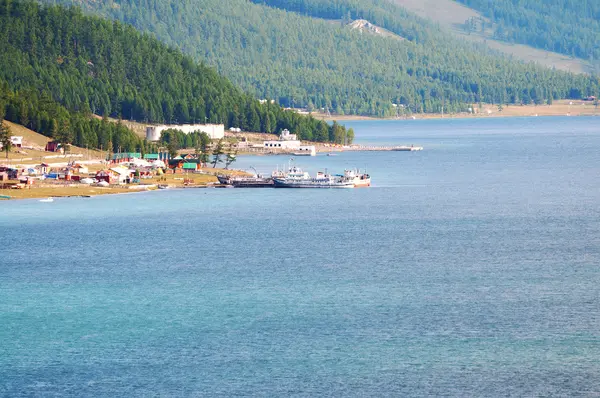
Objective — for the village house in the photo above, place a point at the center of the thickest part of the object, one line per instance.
(16, 141)
(187, 163)
(53, 146)
(10, 172)
(43, 168)
(123, 175)
(191, 165)
(107, 176)
(176, 163)
(80, 169)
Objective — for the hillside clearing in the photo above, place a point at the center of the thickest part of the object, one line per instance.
(451, 15)
(35, 143)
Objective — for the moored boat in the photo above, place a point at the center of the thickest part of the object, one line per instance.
(256, 181)
(359, 179)
(297, 178)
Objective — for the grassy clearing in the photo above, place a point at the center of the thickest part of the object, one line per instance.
(38, 142)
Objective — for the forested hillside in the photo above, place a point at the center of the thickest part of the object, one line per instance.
(569, 27)
(38, 111)
(305, 61)
(58, 67)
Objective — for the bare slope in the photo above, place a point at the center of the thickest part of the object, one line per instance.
(35, 143)
(367, 27)
(452, 15)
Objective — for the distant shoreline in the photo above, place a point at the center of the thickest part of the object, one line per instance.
(559, 108)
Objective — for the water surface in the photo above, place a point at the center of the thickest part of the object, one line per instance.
(468, 269)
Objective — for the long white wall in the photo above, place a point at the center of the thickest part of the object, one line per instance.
(215, 131)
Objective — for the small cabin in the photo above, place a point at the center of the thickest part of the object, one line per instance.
(53, 146)
(17, 141)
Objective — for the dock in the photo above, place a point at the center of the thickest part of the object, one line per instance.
(334, 148)
(401, 148)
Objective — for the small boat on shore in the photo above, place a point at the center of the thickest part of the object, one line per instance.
(47, 200)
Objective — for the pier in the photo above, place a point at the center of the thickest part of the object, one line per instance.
(401, 148)
(326, 148)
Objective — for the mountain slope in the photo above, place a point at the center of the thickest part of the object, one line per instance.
(77, 63)
(569, 27)
(453, 15)
(308, 61)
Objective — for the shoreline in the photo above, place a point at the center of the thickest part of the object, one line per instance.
(41, 190)
(559, 108)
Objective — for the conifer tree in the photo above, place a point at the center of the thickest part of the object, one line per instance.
(218, 151)
(5, 138)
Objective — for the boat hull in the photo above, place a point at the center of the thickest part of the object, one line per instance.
(223, 179)
(251, 184)
(285, 184)
(246, 182)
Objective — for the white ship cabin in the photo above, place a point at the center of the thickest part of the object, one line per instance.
(297, 173)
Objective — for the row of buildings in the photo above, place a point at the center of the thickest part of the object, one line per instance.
(287, 141)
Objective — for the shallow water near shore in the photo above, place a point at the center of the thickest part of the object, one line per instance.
(468, 269)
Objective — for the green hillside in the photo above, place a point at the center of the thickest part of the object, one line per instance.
(303, 58)
(470, 25)
(569, 27)
(59, 66)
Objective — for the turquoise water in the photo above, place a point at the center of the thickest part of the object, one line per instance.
(468, 269)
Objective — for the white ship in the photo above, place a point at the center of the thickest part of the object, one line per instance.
(297, 178)
(359, 179)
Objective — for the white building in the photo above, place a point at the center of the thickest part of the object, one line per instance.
(214, 131)
(122, 173)
(16, 141)
(287, 136)
(286, 141)
(306, 150)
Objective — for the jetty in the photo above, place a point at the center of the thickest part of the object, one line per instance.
(335, 148)
(402, 148)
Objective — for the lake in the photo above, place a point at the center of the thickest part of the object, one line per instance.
(467, 269)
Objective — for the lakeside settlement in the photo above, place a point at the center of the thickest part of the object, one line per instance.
(68, 175)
